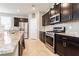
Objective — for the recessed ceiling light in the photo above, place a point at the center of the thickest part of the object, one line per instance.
(53, 11)
(65, 5)
(33, 7)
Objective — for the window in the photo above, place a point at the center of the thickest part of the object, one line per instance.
(6, 25)
(6, 22)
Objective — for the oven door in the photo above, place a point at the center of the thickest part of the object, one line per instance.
(49, 40)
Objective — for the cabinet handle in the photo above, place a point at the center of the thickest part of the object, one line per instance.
(64, 44)
(64, 38)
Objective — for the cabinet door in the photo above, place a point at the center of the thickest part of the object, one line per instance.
(43, 20)
(66, 12)
(52, 12)
(57, 8)
(16, 22)
(46, 19)
(43, 37)
(25, 20)
(72, 48)
(75, 11)
(40, 36)
(59, 45)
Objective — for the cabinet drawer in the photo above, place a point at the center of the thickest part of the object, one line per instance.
(74, 39)
(62, 37)
(72, 49)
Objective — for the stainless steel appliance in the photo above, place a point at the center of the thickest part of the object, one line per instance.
(49, 40)
(55, 19)
(50, 37)
(24, 27)
(26, 30)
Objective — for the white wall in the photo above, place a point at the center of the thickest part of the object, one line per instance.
(41, 28)
(12, 20)
(33, 27)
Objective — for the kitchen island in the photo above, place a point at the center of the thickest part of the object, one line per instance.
(12, 43)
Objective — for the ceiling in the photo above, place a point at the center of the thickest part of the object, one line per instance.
(23, 8)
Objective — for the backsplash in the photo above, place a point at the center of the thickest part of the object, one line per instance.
(49, 28)
(70, 26)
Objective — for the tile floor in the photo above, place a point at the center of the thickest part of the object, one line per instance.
(36, 48)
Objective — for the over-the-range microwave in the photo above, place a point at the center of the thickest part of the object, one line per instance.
(55, 19)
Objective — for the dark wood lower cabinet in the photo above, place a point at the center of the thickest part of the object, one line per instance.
(66, 45)
(59, 48)
(42, 36)
(72, 49)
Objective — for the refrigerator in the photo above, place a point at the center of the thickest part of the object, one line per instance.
(24, 27)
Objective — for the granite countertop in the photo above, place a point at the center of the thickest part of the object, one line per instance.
(74, 34)
(11, 43)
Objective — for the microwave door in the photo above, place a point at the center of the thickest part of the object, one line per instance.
(58, 18)
(52, 20)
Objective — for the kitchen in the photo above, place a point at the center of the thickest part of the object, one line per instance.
(42, 29)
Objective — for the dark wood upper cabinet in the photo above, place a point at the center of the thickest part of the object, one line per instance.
(52, 12)
(66, 12)
(57, 8)
(46, 19)
(75, 11)
(16, 22)
(43, 20)
(23, 19)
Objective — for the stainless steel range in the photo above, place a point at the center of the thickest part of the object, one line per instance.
(50, 40)
(50, 37)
